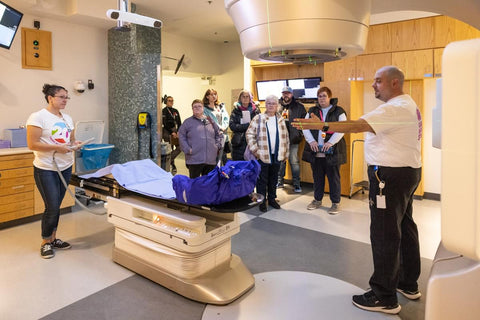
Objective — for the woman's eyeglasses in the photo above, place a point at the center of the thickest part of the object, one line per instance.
(63, 97)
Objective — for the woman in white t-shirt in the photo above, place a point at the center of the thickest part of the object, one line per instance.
(51, 137)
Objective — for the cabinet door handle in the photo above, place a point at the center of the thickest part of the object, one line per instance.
(19, 187)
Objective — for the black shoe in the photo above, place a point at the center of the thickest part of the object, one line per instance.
(369, 301)
(263, 207)
(412, 295)
(274, 204)
(46, 251)
(59, 244)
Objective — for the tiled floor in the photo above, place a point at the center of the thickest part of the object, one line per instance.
(32, 287)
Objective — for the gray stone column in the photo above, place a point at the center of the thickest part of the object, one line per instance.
(133, 57)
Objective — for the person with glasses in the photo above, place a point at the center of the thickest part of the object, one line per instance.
(51, 136)
(217, 112)
(200, 140)
(171, 122)
(267, 138)
(244, 110)
(325, 151)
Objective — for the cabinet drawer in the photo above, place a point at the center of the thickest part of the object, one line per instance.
(16, 214)
(14, 164)
(16, 206)
(16, 182)
(16, 197)
(5, 191)
(15, 173)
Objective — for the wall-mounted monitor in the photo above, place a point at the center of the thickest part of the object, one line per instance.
(9, 23)
(305, 88)
(266, 88)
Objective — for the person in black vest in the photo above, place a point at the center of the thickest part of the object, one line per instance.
(290, 109)
(244, 110)
(171, 122)
(325, 151)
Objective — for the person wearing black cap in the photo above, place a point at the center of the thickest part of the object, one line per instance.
(291, 109)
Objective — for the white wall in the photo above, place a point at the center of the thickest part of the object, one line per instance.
(78, 53)
(221, 61)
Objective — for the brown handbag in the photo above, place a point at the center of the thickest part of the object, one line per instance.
(174, 140)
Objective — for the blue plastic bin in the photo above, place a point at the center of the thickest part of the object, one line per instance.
(95, 156)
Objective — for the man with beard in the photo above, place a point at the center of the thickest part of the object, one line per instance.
(291, 109)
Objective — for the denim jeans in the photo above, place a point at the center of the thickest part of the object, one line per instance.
(294, 165)
(52, 190)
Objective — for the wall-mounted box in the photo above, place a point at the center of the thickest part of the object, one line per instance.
(36, 49)
(17, 137)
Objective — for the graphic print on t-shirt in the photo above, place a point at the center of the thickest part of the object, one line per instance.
(60, 133)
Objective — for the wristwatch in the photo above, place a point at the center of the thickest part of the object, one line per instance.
(325, 127)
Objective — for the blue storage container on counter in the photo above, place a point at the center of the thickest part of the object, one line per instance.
(95, 156)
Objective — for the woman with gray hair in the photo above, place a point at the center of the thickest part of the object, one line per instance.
(267, 138)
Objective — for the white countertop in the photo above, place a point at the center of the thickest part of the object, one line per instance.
(10, 151)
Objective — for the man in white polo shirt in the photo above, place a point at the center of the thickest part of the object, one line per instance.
(393, 154)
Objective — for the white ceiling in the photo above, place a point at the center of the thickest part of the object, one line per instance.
(208, 20)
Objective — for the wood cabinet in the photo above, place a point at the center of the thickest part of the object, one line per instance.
(367, 65)
(416, 64)
(340, 70)
(379, 39)
(16, 186)
(19, 196)
(39, 207)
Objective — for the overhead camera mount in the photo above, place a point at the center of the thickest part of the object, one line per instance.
(122, 15)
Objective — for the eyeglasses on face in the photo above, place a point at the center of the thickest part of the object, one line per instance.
(62, 97)
(322, 96)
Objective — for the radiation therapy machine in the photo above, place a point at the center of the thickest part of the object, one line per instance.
(452, 290)
(185, 248)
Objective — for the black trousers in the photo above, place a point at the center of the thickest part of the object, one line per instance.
(197, 170)
(267, 180)
(319, 170)
(393, 232)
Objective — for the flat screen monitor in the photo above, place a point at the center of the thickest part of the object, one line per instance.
(9, 23)
(266, 88)
(305, 88)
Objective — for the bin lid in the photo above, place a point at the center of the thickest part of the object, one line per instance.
(85, 130)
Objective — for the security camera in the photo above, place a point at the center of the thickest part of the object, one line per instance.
(79, 86)
(134, 18)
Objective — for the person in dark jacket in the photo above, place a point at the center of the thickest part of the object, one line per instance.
(325, 151)
(291, 109)
(244, 110)
(200, 139)
(171, 122)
